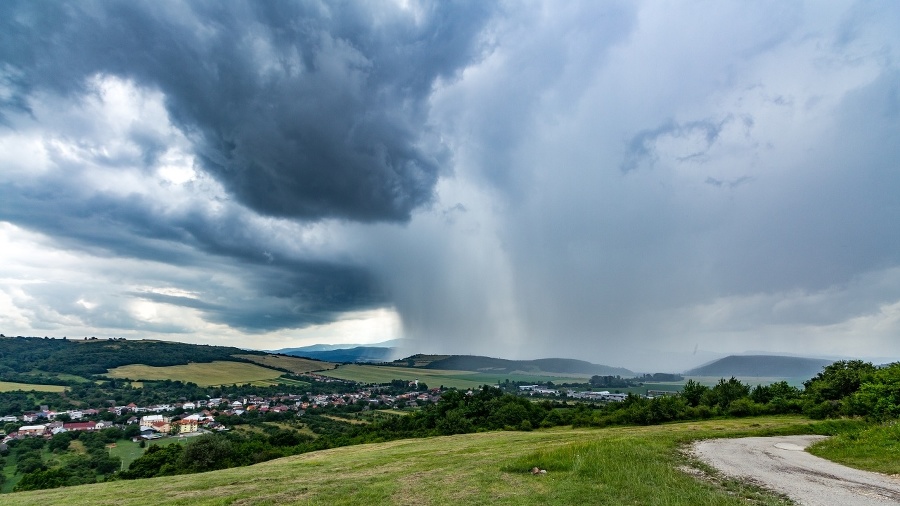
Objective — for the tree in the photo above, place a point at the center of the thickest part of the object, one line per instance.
(692, 392)
(839, 380)
(726, 392)
(206, 453)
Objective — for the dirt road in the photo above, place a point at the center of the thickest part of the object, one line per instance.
(780, 464)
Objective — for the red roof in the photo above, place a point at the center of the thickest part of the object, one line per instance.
(79, 425)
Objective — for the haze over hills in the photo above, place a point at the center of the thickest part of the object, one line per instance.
(488, 364)
(365, 354)
(761, 366)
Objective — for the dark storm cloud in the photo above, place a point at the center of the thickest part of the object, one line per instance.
(301, 109)
(282, 291)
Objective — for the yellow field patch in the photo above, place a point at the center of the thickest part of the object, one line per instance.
(6, 386)
(296, 365)
(208, 374)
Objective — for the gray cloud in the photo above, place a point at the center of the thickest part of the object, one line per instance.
(305, 110)
(620, 182)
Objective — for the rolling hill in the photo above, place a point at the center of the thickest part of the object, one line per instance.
(774, 366)
(47, 361)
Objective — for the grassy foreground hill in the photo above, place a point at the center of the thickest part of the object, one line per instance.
(629, 465)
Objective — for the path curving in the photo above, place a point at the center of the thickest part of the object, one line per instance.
(781, 464)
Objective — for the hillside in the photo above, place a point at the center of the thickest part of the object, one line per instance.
(499, 365)
(633, 465)
(357, 354)
(773, 366)
(96, 356)
(38, 361)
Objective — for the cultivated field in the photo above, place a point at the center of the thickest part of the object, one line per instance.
(6, 386)
(296, 365)
(433, 377)
(630, 465)
(213, 373)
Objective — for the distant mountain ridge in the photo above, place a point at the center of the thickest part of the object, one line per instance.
(776, 366)
(500, 365)
(366, 354)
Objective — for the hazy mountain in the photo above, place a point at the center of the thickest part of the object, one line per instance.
(499, 365)
(762, 366)
(393, 343)
(356, 354)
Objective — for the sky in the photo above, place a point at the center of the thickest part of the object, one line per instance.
(641, 184)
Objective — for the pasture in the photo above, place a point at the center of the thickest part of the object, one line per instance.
(208, 374)
(7, 386)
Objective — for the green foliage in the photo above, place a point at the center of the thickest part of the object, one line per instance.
(838, 380)
(158, 460)
(693, 392)
(879, 397)
(726, 392)
(206, 453)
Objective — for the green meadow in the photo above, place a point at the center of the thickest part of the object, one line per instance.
(612, 466)
(6, 386)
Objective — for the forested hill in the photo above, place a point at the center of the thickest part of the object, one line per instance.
(762, 366)
(488, 364)
(96, 356)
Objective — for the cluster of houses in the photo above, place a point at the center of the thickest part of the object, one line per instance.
(155, 423)
(599, 396)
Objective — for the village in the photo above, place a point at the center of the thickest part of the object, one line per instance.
(186, 418)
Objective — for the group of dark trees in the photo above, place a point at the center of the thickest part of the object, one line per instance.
(609, 381)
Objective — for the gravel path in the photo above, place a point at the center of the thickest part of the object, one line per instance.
(780, 464)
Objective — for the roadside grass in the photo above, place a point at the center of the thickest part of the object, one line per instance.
(296, 365)
(434, 377)
(7, 386)
(611, 466)
(872, 448)
(203, 374)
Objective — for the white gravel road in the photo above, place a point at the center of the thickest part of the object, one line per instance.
(781, 464)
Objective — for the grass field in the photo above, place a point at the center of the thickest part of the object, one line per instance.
(614, 466)
(872, 448)
(296, 365)
(278, 381)
(6, 386)
(432, 377)
(213, 373)
(128, 450)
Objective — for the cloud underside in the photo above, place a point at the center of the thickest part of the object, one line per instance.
(606, 181)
